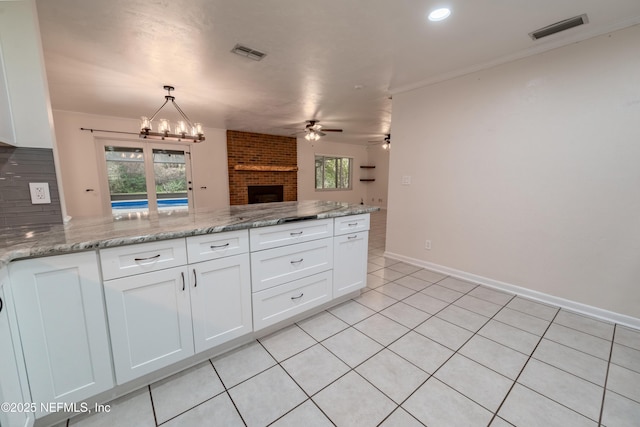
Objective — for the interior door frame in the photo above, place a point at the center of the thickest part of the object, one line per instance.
(147, 152)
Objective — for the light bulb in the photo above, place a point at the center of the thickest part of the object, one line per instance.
(181, 127)
(145, 124)
(163, 126)
(439, 14)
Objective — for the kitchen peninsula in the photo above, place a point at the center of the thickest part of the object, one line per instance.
(101, 307)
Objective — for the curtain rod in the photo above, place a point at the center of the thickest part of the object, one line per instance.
(110, 131)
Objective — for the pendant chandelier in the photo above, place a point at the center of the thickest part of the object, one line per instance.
(183, 130)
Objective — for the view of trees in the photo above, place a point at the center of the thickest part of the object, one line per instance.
(126, 173)
(333, 172)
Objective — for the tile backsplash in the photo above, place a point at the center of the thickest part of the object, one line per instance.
(19, 167)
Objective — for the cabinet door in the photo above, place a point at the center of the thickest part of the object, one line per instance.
(350, 263)
(220, 300)
(149, 321)
(60, 312)
(13, 388)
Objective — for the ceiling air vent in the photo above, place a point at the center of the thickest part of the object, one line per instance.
(559, 26)
(256, 55)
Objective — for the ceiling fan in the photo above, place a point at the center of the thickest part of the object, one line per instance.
(314, 131)
(386, 142)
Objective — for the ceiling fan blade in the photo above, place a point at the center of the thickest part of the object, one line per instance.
(320, 133)
(331, 130)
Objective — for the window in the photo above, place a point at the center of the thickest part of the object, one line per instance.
(145, 178)
(333, 173)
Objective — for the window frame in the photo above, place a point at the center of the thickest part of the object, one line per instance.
(323, 158)
(147, 148)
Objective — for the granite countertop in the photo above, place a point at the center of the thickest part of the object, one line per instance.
(83, 234)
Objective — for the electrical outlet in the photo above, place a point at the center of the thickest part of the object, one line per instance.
(427, 245)
(39, 193)
(406, 180)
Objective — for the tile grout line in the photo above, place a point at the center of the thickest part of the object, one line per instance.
(606, 378)
(515, 381)
(226, 390)
(153, 407)
(278, 363)
(353, 369)
(432, 375)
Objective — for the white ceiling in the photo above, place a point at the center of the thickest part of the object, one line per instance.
(112, 57)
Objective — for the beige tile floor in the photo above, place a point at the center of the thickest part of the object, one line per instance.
(416, 348)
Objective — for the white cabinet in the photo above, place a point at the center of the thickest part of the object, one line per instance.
(282, 302)
(285, 264)
(60, 312)
(149, 321)
(291, 269)
(289, 234)
(350, 262)
(26, 101)
(125, 261)
(13, 384)
(351, 224)
(166, 315)
(220, 300)
(217, 245)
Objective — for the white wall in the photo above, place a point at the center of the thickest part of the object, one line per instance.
(528, 173)
(377, 191)
(79, 168)
(361, 191)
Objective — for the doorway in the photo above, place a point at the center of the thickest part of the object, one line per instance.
(145, 178)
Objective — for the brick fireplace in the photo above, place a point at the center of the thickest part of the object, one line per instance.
(256, 159)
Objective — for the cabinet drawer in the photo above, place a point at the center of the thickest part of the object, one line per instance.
(351, 224)
(287, 234)
(217, 245)
(273, 305)
(281, 265)
(142, 258)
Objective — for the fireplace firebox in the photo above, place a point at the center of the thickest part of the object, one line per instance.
(265, 193)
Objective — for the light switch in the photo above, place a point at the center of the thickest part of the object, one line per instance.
(406, 180)
(39, 193)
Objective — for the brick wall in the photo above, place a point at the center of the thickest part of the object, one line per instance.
(19, 167)
(260, 150)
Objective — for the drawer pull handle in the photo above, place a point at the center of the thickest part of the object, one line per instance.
(219, 246)
(147, 258)
(1, 305)
(353, 237)
(353, 224)
(195, 279)
(299, 233)
(297, 261)
(299, 296)
(182, 274)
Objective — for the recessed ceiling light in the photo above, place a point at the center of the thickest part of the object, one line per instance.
(439, 14)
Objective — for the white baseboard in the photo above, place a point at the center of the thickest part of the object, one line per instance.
(589, 310)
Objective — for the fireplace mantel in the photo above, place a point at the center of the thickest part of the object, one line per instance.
(265, 168)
